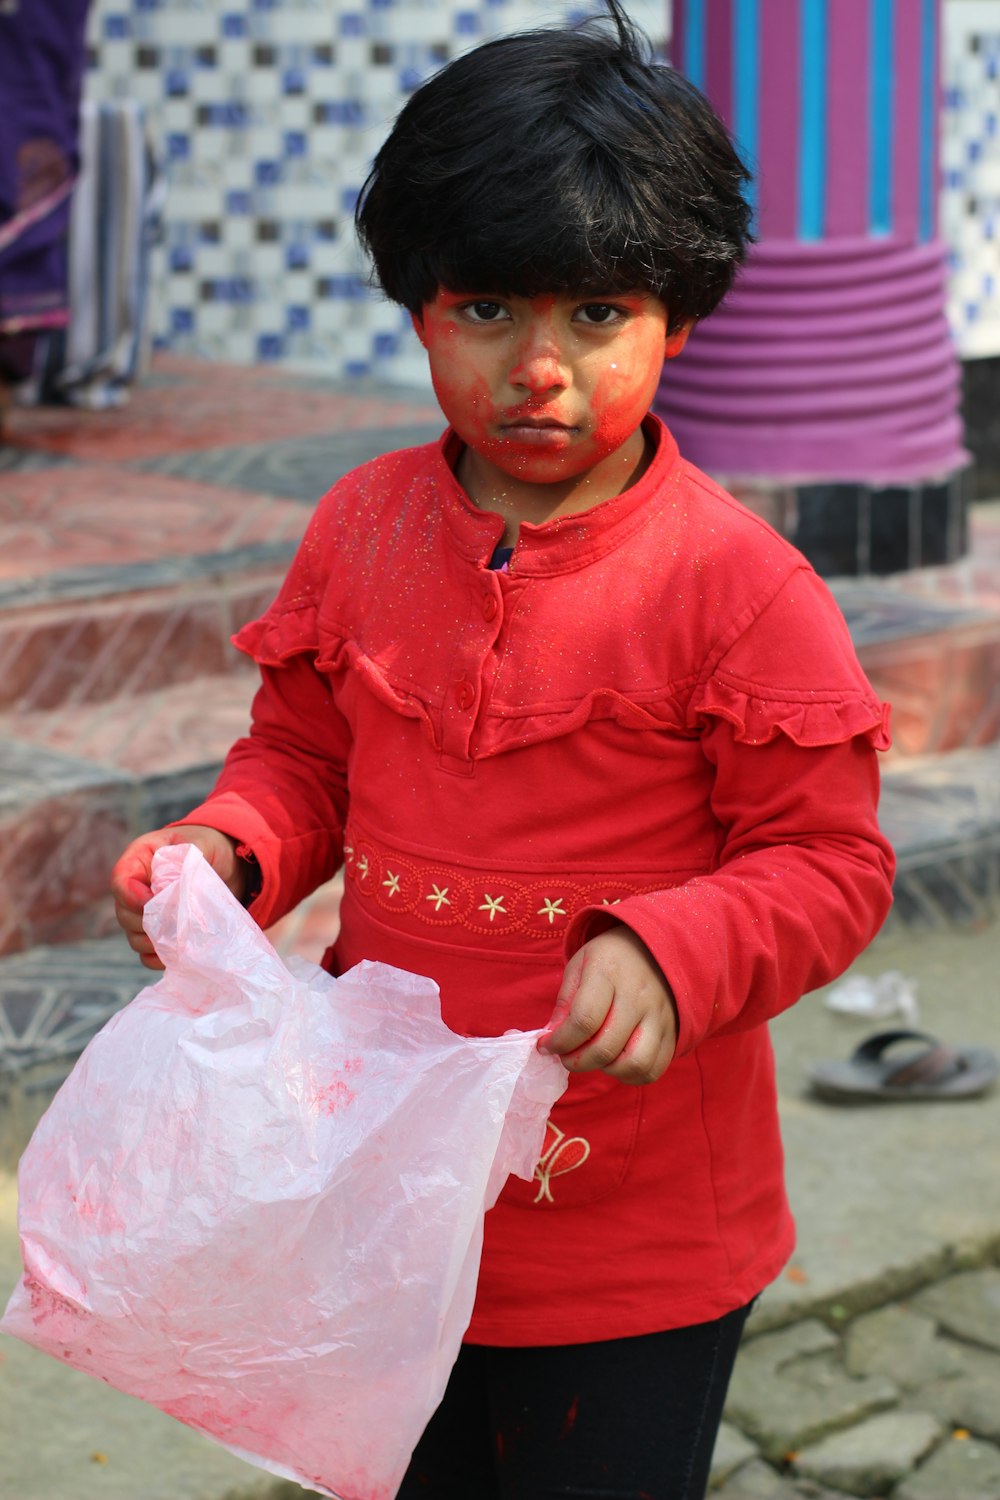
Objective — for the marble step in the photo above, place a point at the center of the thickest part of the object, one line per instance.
(942, 814)
(133, 543)
(935, 658)
(77, 783)
(79, 638)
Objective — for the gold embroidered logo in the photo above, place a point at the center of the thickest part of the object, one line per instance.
(562, 1154)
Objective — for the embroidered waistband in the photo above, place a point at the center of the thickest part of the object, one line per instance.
(483, 901)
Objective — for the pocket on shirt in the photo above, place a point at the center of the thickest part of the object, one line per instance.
(590, 1138)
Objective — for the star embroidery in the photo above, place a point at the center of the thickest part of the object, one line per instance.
(616, 902)
(439, 895)
(552, 909)
(493, 904)
(392, 883)
(348, 851)
(363, 866)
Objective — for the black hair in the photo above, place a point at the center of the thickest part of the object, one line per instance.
(558, 160)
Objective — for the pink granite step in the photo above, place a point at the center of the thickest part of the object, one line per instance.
(930, 643)
(77, 782)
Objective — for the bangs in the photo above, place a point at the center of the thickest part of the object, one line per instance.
(557, 162)
(531, 263)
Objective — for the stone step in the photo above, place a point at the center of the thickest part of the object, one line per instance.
(942, 814)
(133, 543)
(935, 659)
(81, 639)
(77, 783)
(117, 582)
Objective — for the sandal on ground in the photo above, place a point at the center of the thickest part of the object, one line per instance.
(926, 1070)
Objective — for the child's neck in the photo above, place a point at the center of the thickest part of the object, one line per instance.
(517, 500)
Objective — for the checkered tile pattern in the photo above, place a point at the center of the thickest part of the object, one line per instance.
(970, 159)
(268, 113)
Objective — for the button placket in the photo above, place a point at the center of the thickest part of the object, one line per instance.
(470, 670)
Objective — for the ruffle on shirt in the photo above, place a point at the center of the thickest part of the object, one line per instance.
(758, 717)
(758, 712)
(280, 634)
(283, 633)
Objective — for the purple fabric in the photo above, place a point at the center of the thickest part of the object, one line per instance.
(780, 105)
(832, 362)
(906, 140)
(719, 57)
(847, 119)
(41, 70)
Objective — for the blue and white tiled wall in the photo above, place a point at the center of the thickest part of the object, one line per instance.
(268, 112)
(970, 161)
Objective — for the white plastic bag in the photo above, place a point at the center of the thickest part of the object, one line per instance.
(257, 1202)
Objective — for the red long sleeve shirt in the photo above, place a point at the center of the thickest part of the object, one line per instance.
(656, 713)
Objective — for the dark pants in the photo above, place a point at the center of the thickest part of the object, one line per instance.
(626, 1419)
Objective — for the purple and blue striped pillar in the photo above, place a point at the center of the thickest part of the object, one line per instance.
(832, 359)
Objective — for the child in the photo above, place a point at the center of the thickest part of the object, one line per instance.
(590, 742)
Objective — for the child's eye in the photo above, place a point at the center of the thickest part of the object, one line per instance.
(486, 312)
(597, 312)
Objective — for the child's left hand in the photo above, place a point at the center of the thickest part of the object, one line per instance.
(614, 1010)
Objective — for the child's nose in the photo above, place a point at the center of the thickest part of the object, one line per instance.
(539, 364)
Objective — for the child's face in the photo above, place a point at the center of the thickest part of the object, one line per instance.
(548, 390)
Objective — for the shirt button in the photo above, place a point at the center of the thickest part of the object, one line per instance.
(489, 607)
(465, 694)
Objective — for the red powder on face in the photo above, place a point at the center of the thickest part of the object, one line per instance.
(583, 396)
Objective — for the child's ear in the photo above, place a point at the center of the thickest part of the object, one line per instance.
(677, 340)
(418, 327)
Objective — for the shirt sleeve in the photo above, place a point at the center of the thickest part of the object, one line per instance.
(282, 793)
(803, 875)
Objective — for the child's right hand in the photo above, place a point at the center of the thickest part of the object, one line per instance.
(131, 877)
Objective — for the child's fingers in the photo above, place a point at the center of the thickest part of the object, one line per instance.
(582, 1006)
(604, 1048)
(131, 924)
(645, 1056)
(131, 876)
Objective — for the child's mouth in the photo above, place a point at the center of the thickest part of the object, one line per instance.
(537, 431)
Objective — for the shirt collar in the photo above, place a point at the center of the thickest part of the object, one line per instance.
(568, 542)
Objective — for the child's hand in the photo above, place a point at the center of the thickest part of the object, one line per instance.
(130, 879)
(614, 1010)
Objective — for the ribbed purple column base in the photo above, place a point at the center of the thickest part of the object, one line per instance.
(827, 362)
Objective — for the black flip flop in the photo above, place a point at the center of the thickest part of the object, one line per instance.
(929, 1070)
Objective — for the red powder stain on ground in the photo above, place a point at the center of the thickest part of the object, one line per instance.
(569, 1422)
